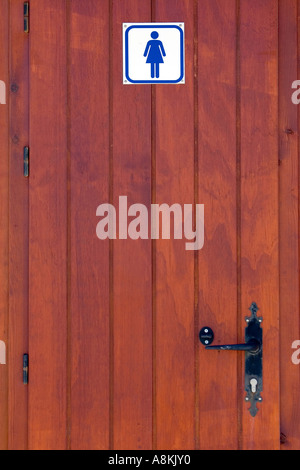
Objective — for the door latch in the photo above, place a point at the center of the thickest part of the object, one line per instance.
(253, 355)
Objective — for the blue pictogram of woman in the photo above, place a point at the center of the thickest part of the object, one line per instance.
(154, 52)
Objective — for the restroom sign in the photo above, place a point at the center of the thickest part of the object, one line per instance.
(153, 53)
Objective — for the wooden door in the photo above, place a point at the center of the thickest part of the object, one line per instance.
(111, 326)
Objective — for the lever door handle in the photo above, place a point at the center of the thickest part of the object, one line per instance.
(253, 346)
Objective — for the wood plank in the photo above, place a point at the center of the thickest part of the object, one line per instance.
(18, 228)
(174, 266)
(132, 295)
(89, 256)
(48, 227)
(4, 165)
(259, 204)
(217, 189)
(289, 223)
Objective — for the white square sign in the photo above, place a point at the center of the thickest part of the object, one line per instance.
(153, 53)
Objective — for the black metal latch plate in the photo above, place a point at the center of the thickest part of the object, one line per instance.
(253, 348)
(253, 362)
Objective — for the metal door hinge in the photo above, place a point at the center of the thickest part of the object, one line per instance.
(26, 17)
(26, 161)
(25, 368)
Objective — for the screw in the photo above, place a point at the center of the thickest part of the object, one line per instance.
(283, 438)
(289, 131)
(14, 88)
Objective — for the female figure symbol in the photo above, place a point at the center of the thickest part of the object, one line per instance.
(155, 52)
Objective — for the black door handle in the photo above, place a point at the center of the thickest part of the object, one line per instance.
(253, 346)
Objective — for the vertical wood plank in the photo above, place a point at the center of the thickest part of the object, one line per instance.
(259, 204)
(174, 266)
(132, 276)
(289, 223)
(4, 165)
(217, 188)
(89, 256)
(18, 227)
(48, 227)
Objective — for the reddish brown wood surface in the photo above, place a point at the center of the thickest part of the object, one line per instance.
(289, 224)
(115, 360)
(174, 266)
(131, 259)
(4, 168)
(48, 313)
(18, 227)
(259, 204)
(218, 388)
(88, 264)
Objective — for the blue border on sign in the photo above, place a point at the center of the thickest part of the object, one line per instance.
(154, 26)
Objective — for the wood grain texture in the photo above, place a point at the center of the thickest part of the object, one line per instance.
(112, 327)
(132, 275)
(48, 227)
(4, 231)
(174, 266)
(18, 227)
(259, 204)
(289, 224)
(88, 256)
(217, 189)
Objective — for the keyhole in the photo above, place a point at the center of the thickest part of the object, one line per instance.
(253, 383)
